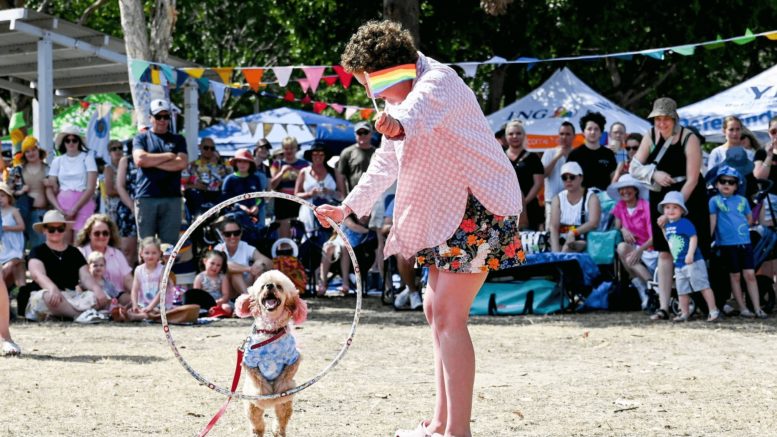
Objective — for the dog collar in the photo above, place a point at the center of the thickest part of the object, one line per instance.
(276, 335)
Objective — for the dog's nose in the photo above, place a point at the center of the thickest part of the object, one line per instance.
(270, 286)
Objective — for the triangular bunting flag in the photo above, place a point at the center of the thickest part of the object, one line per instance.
(345, 77)
(305, 100)
(470, 68)
(350, 111)
(366, 113)
(253, 77)
(715, 45)
(194, 72)
(330, 80)
(282, 74)
(657, 54)
(180, 78)
(237, 91)
(314, 76)
(305, 84)
(218, 92)
(337, 107)
(225, 73)
(137, 68)
(266, 128)
(318, 107)
(252, 125)
(496, 60)
(169, 73)
(155, 76)
(684, 50)
(745, 39)
(772, 36)
(289, 97)
(203, 84)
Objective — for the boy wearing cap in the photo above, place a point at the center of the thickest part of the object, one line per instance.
(730, 219)
(690, 268)
(160, 156)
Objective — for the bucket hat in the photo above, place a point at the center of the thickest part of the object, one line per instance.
(664, 106)
(674, 197)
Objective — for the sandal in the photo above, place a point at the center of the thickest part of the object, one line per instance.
(714, 316)
(681, 318)
(419, 431)
(660, 314)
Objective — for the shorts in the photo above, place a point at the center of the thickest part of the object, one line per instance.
(482, 242)
(650, 259)
(691, 277)
(738, 258)
(68, 199)
(126, 221)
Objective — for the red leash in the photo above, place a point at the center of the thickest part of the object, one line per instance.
(236, 378)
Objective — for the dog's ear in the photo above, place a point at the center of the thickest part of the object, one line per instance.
(299, 309)
(243, 306)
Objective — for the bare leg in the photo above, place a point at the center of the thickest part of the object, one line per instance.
(752, 288)
(736, 290)
(345, 268)
(129, 246)
(406, 269)
(452, 300)
(238, 284)
(62, 309)
(326, 263)
(709, 297)
(5, 305)
(665, 272)
(440, 417)
(637, 270)
(685, 301)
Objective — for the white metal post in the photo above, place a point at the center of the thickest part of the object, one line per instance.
(43, 104)
(191, 118)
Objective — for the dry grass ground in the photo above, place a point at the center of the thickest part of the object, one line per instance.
(610, 374)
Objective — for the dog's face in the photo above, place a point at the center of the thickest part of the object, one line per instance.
(271, 296)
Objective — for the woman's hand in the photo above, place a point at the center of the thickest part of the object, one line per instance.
(336, 213)
(388, 125)
(662, 178)
(627, 236)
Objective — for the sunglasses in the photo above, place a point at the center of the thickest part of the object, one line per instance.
(211, 148)
(71, 140)
(162, 117)
(631, 148)
(228, 234)
(101, 233)
(568, 177)
(116, 149)
(727, 181)
(59, 229)
(363, 132)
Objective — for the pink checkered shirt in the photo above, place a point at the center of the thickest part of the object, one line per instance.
(448, 151)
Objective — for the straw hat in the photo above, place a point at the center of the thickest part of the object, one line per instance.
(69, 130)
(51, 216)
(7, 190)
(664, 106)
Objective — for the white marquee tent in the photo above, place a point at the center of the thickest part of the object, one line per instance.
(754, 101)
(563, 97)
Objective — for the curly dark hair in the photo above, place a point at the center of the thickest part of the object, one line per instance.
(377, 45)
(596, 117)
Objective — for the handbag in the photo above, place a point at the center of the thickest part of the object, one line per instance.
(601, 245)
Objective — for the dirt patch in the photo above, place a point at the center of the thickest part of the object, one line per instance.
(572, 375)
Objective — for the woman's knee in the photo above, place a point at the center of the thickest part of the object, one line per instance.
(624, 249)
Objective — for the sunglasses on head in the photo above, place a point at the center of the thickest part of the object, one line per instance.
(728, 181)
(568, 177)
(211, 148)
(59, 229)
(236, 233)
(162, 116)
(71, 140)
(101, 233)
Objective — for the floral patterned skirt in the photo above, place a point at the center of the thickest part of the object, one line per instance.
(482, 242)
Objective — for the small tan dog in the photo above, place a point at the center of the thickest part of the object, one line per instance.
(271, 357)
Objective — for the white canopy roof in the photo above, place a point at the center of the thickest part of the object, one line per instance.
(563, 97)
(754, 101)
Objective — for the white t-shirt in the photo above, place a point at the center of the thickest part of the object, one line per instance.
(242, 255)
(71, 171)
(553, 183)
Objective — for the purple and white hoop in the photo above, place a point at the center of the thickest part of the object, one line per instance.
(168, 268)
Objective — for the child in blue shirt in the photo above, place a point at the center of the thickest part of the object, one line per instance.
(730, 219)
(690, 268)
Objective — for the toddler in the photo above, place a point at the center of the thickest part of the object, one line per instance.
(690, 268)
(730, 219)
(11, 239)
(96, 263)
(213, 281)
(148, 276)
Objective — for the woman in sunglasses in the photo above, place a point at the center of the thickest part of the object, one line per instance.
(72, 179)
(110, 193)
(101, 234)
(575, 211)
(244, 262)
(631, 147)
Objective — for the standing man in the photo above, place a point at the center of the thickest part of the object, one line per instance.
(598, 162)
(160, 156)
(355, 158)
(206, 173)
(552, 160)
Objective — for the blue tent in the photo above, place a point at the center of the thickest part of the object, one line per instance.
(275, 124)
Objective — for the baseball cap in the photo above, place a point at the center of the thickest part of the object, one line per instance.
(362, 125)
(572, 168)
(159, 105)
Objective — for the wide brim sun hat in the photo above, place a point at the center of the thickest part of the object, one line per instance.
(51, 216)
(69, 130)
(627, 180)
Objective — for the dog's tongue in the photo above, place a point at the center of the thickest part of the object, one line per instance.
(271, 303)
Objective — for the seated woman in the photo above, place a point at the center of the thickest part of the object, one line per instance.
(318, 183)
(244, 262)
(358, 233)
(575, 211)
(101, 234)
(56, 269)
(244, 180)
(632, 217)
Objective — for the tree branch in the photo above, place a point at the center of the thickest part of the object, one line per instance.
(90, 10)
(655, 84)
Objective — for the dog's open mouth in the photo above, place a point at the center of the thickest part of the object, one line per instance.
(270, 302)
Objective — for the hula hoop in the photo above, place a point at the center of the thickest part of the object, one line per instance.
(168, 268)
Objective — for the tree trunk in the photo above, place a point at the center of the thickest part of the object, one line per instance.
(406, 13)
(162, 29)
(496, 89)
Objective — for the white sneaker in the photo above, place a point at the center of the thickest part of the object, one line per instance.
(415, 301)
(88, 317)
(402, 300)
(11, 349)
